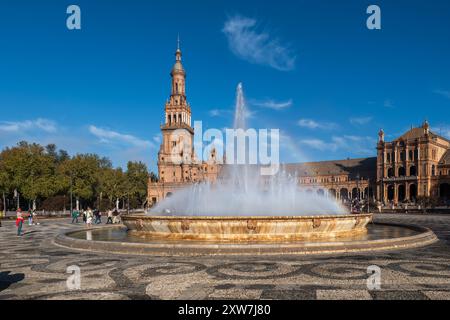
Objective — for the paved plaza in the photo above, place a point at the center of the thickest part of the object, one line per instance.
(33, 267)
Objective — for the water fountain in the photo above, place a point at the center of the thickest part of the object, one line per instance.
(245, 206)
(244, 213)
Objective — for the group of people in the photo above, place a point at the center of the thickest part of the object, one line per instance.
(20, 219)
(95, 216)
(89, 217)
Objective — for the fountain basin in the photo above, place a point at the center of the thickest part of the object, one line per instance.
(243, 228)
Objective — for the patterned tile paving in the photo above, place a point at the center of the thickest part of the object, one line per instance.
(32, 267)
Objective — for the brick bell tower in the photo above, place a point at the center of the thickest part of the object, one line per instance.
(176, 154)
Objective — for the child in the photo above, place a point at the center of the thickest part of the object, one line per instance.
(19, 222)
(89, 218)
(30, 218)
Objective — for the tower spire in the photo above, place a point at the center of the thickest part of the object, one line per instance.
(178, 52)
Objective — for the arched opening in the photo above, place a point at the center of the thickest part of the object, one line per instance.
(444, 191)
(410, 155)
(413, 171)
(401, 192)
(332, 193)
(390, 172)
(355, 193)
(413, 192)
(401, 172)
(433, 170)
(390, 192)
(344, 193)
(320, 192)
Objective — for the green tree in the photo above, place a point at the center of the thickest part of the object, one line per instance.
(81, 175)
(47, 174)
(31, 171)
(4, 183)
(112, 184)
(137, 177)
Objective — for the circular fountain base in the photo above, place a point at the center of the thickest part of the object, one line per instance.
(242, 228)
(117, 239)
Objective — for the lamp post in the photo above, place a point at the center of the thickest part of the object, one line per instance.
(357, 187)
(357, 193)
(17, 196)
(71, 194)
(128, 202)
(4, 204)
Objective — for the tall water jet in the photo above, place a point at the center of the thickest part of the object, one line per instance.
(242, 191)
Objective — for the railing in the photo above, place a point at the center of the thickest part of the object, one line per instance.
(402, 178)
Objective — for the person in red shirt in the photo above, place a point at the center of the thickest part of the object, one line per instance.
(19, 222)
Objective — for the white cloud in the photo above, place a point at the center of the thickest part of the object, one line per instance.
(257, 47)
(219, 112)
(362, 145)
(230, 113)
(313, 124)
(388, 103)
(271, 104)
(290, 149)
(360, 120)
(28, 125)
(445, 93)
(157, 138)
(317, 144)
(108, 136)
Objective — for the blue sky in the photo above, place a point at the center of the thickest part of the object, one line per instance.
(310, 68)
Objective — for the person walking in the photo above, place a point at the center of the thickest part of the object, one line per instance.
(85, 216)
(110, 217)
(30, 218)
(98, 216)
(116, 218)
(19, 222)
(35, 218)
(89, 218)
(75, 215)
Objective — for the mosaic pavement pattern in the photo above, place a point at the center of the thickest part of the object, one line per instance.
(32, 267)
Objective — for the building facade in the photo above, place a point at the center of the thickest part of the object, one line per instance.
(413, 165)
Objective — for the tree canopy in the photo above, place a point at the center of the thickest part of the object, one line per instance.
(40, 173)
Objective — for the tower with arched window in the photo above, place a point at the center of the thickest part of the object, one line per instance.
(177, 162)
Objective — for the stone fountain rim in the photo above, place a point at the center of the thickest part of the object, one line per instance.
(425, 237)
(262, 217)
